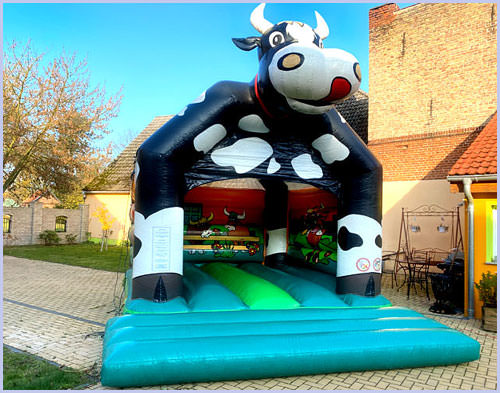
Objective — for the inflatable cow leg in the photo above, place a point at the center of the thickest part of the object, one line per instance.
(161, 163)
(158, 228)
(359, 237)
(359, 231)
(275, 221)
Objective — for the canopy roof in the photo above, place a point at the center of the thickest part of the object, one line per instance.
(116, 177)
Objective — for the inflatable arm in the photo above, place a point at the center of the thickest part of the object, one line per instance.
(161, 162)
(359, 231)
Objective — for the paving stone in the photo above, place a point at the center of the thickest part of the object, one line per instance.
(94, 296)
(382, 385)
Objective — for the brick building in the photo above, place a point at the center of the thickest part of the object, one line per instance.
(23, 225)
(433, 88)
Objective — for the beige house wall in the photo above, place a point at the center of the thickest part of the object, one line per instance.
(410, 195)
(28, 222)
(118, 205)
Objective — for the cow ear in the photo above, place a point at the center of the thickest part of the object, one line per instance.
(247, 43)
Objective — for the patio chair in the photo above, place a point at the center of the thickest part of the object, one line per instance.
(420, 263)
(387, 267)
(401, 266)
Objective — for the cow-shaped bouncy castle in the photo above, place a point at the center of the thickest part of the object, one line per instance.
(221, 314)
(283, 125)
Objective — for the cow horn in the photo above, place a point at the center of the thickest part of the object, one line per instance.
(322, 28)
(258, 21)
(241, 216)
(226, 212)
(210, 217)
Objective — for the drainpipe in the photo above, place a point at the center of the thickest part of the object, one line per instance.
(467, 182)
(470, 254)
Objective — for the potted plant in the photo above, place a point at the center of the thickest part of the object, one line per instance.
(487, 288)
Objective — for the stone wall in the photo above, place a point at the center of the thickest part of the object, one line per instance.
(433, 84)
(28, 222)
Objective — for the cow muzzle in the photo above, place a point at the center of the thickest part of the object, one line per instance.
(314, 76)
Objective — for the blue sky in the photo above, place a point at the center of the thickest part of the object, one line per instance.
(165, 55)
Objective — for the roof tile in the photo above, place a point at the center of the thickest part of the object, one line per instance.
(481, 156)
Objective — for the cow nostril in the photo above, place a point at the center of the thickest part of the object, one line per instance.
(291, 61)
(357, 71)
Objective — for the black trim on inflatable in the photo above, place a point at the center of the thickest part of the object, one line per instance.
(359, 284)
(149, 287)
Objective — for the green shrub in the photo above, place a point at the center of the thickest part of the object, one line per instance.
(88, 236)
(70, 239)
(487, 288)
(49, 237)
(123, 243)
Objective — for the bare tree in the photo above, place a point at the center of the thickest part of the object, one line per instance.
(52, 117)
(122, 140)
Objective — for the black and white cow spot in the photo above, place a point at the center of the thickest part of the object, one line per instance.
(137, 246)
(358, 250)
(137, 169)
(244, 155)
(331, 148)
(300, 32)
(197, 100)
(305, 168)
(253, 123)
(273, 166)
(276, 241)
(348, 240)
(208, 138)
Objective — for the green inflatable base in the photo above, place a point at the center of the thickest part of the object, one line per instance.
(210, 338)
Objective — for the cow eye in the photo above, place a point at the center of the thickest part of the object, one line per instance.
(276, 38)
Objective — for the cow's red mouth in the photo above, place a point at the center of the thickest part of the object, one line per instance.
(340, 88)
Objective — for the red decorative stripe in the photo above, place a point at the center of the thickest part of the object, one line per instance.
(259, 99)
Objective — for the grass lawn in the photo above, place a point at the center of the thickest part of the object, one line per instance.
(85, 255)
(26, 372)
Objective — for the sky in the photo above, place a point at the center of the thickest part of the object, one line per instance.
(164, 55)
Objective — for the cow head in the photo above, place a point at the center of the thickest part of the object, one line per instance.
(233, 217)
(294, 67)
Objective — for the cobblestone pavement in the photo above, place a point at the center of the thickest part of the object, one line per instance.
(58, 312)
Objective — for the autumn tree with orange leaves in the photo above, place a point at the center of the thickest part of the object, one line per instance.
(52, 118)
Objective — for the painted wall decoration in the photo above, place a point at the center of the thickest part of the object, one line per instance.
(283, 125)
(223, 225)
(313, 229)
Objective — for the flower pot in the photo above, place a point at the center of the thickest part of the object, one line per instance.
(489, 320)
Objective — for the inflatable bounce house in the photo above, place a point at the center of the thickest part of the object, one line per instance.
(237, 284)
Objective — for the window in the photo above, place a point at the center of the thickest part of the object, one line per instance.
(61, 223)
(7, 218)
(192, 212)
(491, 233)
